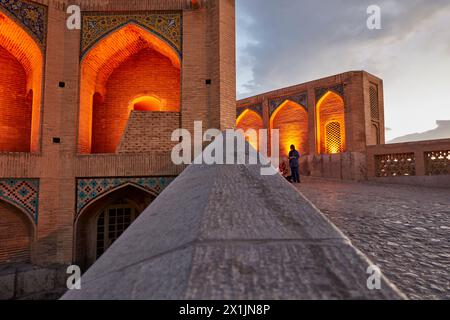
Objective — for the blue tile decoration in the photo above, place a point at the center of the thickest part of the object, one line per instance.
(97, 25)
(23, 194)
(31, 15)
(338, 89)
(300, 98)
(90, 189)
(258, 108)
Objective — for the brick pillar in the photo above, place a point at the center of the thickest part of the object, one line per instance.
(222, 56)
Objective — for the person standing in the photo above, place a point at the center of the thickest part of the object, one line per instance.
(294, 157)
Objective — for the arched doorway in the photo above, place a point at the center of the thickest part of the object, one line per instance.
(250, 120)
(130, 70)
(21, 65)
(16, 235)
(105, 220)
(291, 119)
(330, 124)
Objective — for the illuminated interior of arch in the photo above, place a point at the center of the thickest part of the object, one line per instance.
(330, 109)
(130, 63)
(291, 119)
(149, 103)
(250, 120)
(21, 63)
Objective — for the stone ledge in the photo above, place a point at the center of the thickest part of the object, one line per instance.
(28, 282)
(226, 232)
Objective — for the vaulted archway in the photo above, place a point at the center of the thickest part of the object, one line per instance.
(250, 120)
(21, 62)
(105, 219)
(291, 119)
(16, 234)
(129, 63)
(330, 124)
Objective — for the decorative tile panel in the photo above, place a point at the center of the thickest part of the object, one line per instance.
(31, 15)
(167, 26)
(338, 89)
(90, 189)
(301, 99)
(22, 193)
(258, 108)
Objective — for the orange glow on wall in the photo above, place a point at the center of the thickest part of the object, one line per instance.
(148, 103)
(21, 63)
(127, 64)
(333, 138)
(330, 124)
(291, 119)
(249, 120)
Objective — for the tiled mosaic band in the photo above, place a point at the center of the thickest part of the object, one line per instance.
(90, 189)
(96, 26)
(21, 193)
(31, 15)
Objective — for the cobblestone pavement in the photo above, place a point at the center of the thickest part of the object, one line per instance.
(404, 230)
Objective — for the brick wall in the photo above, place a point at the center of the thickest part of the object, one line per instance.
(15, 108)
(292, 121)
(352, 109)
(331, 109)
(250, 120)
(68, 111)
(149, 131)
(15, 235)
(145, 73)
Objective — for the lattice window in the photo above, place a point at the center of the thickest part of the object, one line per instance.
(112, 223)
(396, 165)
(374, 107)
(437, 163)
(333, 142)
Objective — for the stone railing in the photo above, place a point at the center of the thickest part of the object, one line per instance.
(227, 232)
(411, 162)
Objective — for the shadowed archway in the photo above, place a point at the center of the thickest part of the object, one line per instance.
(17, 232)
(104, 221)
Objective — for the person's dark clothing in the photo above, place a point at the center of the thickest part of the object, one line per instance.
(294, 156)
(295, 174)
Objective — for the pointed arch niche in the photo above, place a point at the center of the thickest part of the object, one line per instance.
(127, 63)
(330, 124)
(250, 120)
(21, 64)
(291, 119)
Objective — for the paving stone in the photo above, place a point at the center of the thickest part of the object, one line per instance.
(404, 228)
(7, 286)
(227, 232)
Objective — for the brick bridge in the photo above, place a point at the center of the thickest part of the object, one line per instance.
(233, 233)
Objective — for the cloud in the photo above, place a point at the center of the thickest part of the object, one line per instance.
(286, 42)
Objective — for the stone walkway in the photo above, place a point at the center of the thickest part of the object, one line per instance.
(404, 230)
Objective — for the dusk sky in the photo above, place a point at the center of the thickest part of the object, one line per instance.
(286, 42)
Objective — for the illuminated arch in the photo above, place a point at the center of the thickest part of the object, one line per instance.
(250, 120)
(148, 103)
(17, 42)
(86, 222)
(292, 120)
(101, 62)
(330, 109)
